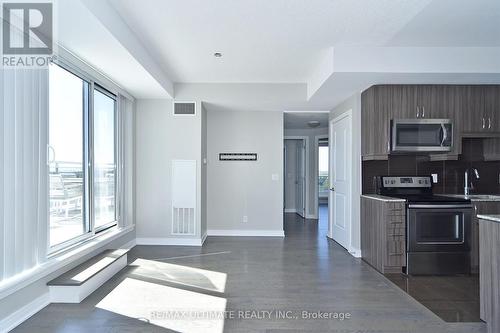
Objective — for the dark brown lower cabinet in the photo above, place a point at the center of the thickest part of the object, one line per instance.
(480, 207)
(489, 274)
(383, 234)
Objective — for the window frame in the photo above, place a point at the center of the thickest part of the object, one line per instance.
(101, 89)
(88, 144)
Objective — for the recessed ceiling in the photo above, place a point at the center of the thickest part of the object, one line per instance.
(300, 120)
(261, 40)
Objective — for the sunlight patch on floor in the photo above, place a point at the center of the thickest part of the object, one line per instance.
(188, 276)
(167, 307)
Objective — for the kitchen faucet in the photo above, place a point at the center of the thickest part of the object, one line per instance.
(467, 188)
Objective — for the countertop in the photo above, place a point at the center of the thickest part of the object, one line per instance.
(476, 197)
(382, 198)
(491, 218)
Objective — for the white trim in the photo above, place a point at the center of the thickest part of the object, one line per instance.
(311, 217)
(307, 158)
(76, 294)
(170, 241)
(19, 281)
(290, 210)
(204, 238)
(355, 252)
(24, 313)
(247, 233)
(316, 171)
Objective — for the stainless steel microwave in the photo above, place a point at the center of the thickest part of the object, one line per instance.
(421, 135)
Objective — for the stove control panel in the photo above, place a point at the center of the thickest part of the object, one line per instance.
(407, 182)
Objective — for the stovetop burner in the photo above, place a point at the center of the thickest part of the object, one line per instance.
(414, 189)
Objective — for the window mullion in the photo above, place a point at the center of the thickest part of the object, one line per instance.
(91, 193)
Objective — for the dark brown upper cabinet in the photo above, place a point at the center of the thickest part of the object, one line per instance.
(481, 111)
(474, 111)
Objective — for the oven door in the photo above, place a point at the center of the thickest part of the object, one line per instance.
(438, 228)
(421, 135)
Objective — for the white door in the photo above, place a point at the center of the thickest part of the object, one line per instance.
(300, 178)
(339, 198)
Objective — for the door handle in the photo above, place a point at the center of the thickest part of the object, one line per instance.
(332, 189)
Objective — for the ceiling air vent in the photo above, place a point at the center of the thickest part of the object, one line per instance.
(184, 108)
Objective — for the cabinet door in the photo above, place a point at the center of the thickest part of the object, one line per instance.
(492, 108)
(386, 101)
(473, 114)
(409, 102)
(430, 101)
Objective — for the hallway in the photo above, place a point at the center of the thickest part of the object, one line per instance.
(303, 274)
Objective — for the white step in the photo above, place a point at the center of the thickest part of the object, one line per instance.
(78, 283)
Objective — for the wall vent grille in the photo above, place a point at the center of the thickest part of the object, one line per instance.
(184, 108)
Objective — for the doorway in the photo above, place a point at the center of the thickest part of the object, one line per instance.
(295, 176)
(322, 179)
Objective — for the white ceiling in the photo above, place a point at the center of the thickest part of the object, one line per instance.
(82, 34)
(299, 120)
(283, 40)
(261, 40)
(306, 55)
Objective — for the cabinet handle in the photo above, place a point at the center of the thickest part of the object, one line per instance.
(388, 146)
(484, 123)
(418, 112)
(489, 122)
(423, 112)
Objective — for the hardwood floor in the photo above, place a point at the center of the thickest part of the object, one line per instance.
(305, 271)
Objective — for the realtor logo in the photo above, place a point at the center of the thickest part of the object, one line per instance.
(27, 28)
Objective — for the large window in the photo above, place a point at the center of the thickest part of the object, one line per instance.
(82, 158)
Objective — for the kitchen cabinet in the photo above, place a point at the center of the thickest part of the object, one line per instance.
(377, 104)
(382, 103)
(383, 234)
(480, 207)
(481, 114)
(489, 276)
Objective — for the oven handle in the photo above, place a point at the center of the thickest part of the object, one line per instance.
(440, 206)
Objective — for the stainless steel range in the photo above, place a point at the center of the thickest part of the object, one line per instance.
(437, 227)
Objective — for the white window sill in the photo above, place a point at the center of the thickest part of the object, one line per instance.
(59, 260)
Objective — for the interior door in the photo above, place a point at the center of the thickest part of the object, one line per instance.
(300, 179)
(339, 199)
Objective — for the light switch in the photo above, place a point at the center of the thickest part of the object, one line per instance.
(275, 177)
(434, 178)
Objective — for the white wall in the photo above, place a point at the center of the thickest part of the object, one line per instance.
(312, 164)
(160, 138)
(238, 188)
(290, 175)
(353, 104)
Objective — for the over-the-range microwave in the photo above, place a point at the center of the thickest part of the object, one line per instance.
(421, 135)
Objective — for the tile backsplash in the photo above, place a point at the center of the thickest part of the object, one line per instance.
(450, 173)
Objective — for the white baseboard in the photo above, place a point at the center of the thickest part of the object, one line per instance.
(356, 253)
(311, 217)
(76, 294)
(290, 210)
(170, 241)
(247, 233)
(19, 316)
